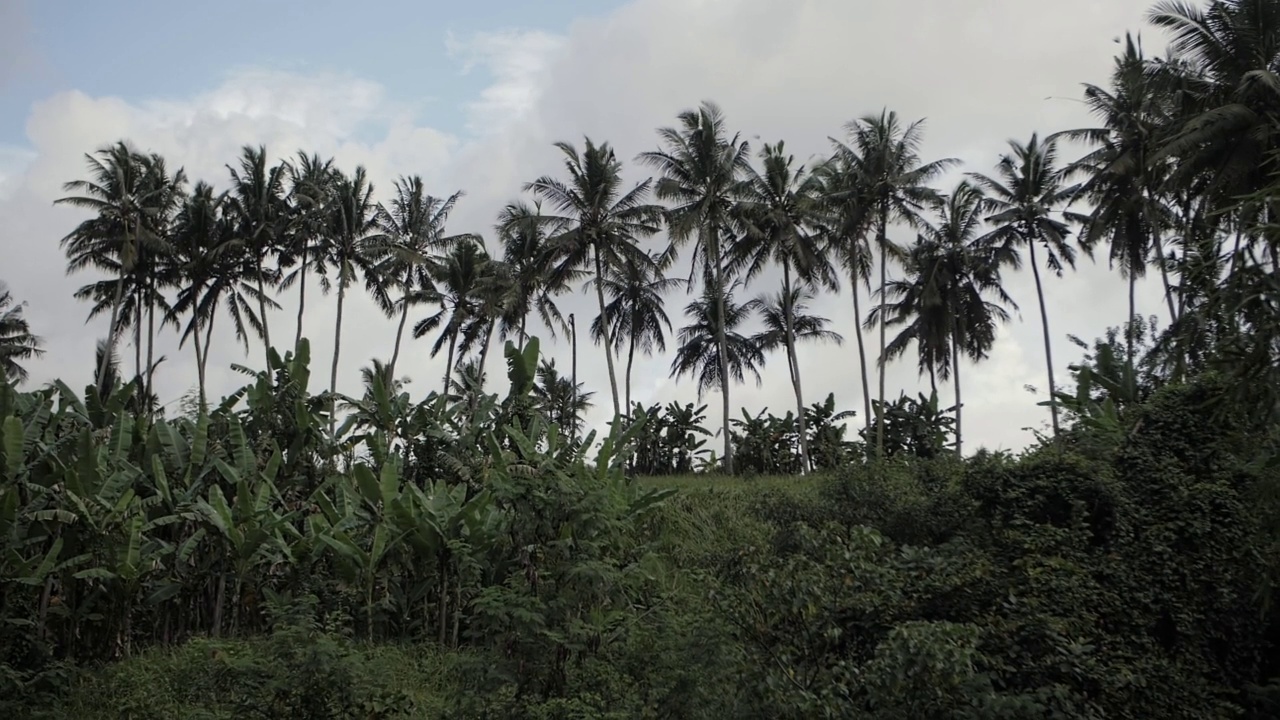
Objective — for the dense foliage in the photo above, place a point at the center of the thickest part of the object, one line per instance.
(282, 552)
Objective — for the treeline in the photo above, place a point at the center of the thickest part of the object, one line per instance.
(1177, 176)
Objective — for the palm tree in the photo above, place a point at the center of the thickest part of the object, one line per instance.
(201, 239)
(1027, 191)
(598, 224)
(113, 239)
(780, 209)
(492, 293)
(843, 229)
(17, 344)
(893, 182)
(526, 253)
(310, 197)
(787, 323)
(942, 303)
(355, 246)
(256, 202)
(702, 178)
(414, 226)
(635, 314)
(1122, 182)
(561, 402)
(457, 278)
(699, 353)
(1225, 64)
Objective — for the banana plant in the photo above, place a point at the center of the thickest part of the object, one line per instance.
(250, 526)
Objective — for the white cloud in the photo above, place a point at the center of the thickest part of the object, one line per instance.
(979, 71)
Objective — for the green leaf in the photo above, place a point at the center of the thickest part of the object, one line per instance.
(367, 483)
(200, 441)
(11, 435)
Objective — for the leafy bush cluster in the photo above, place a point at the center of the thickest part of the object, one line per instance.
(119, 533)
(1052, 585)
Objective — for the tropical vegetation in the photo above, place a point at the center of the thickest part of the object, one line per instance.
(283, 549)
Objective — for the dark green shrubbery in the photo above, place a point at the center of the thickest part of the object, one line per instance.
(1046, 586)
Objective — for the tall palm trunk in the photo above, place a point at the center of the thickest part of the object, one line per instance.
(204, 403)
(884, 279)
(722, 345)
(484, 349)
(151, 335)
(137, 343)
(404, 316)
(608, 340)
(1131, 330)
(1161, 263)
(631, 356)
(793, 364)
(208, 342)
(862, 352)
(111, 333)
(266, 332)
(302, 298)
(955, 377)
(448, 366)
(337, 348)
(1044, 322)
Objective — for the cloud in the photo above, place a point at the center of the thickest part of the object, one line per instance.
(978, 71)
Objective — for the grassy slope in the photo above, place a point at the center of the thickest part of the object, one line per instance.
(708, 518)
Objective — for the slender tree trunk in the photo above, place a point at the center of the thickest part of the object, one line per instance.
(208, 342)
(793, 365)
(524, 337)
(1133, 319)
(448, 367)
(137, 346)
(1048, 352)
(608, 338)
(302, 298)
(631, 356)
(573, 344)
(195, 333)
(1164, 277)
(862, 354)
(337, 347)
(722, 345)
(111, 333)
(933, 381)
(404, 317)
(484, 351)
(955, 377)
(266, 332)
(151, 339)
(884, 279)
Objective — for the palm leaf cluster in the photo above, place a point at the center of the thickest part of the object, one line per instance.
(1179, 174)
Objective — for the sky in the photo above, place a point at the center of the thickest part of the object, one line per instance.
(471, 97)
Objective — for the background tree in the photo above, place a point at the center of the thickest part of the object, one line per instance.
(310, 198)
(636, 312)
(535, 282)
(893, 181)
(698, 354)
(356, 246)
(780, 209)
(702, 175)
(1024, 196)
(787, 323)
(414, 227)
(17, 343)
(256, 204)
(457, 278)
(598, 224)
(845, 220)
